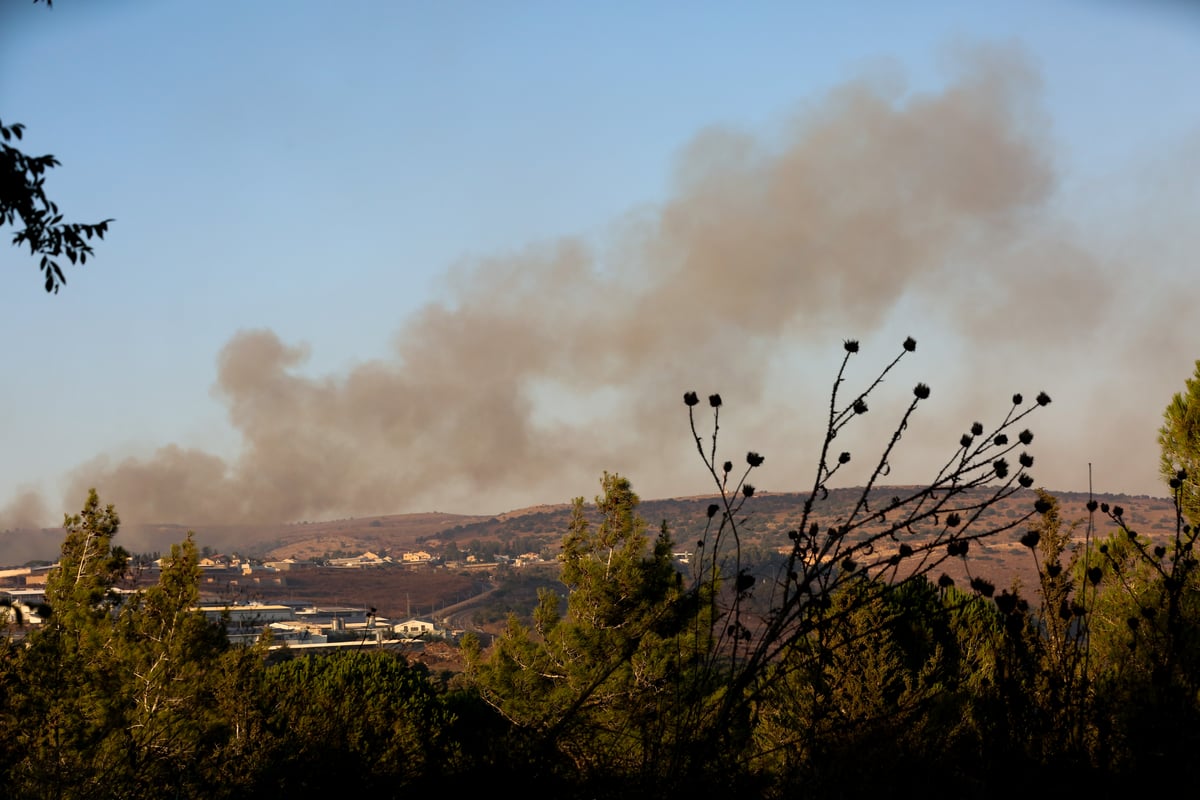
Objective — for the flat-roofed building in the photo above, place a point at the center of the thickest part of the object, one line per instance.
(248, 616)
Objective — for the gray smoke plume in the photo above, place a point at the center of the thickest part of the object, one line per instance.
(26, 510)
(877, 214)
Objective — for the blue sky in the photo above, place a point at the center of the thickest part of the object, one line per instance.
(330, 195)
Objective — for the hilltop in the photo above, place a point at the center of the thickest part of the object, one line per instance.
(767, 519)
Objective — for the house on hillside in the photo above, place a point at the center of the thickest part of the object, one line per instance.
(367, 559)
(417, 627)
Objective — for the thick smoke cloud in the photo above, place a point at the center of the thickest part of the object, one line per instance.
(877, 212)
(26, 510)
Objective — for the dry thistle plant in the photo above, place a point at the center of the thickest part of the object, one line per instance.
(876, 544)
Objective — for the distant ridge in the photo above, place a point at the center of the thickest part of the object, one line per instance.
(767, 517)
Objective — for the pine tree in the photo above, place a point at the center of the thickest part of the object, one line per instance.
(72, 700)
(116, 687)
(599, 684)
(365, 720)
(1179, 438)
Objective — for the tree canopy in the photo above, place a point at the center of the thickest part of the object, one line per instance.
(38, 222)
(25, 206)
(1179, 438)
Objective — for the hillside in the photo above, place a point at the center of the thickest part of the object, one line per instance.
(765, 524)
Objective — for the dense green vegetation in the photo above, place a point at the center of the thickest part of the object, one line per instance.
(859, 667)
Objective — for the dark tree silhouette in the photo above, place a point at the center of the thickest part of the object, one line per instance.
(40, 226)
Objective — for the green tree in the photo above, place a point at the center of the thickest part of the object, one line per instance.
(116, 687)
(897, 687)
(1054, 642)
(1145, 645)
(366, 720)
(170, 653)
(72, 699)
(599, 684)
(1179, 438)
(862, 677)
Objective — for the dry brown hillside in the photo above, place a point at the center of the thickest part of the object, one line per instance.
(769, 516)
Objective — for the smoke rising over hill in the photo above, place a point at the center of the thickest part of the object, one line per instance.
(876, 214)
